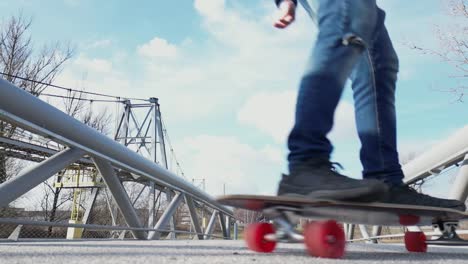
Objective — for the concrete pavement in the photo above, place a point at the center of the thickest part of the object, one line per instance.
(212, 251)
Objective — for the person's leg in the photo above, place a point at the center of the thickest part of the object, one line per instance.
(344, 27)
(373, 81)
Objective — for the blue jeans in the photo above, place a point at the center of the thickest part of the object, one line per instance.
(352, 43)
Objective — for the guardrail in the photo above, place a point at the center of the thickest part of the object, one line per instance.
(452, 151)
(445, 154)
(27, 111)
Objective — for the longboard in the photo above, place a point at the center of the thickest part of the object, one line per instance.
(385, 214)
(324, 237)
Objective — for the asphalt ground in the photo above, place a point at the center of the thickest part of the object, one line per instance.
(210, 251)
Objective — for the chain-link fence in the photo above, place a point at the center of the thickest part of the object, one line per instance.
(95, 207)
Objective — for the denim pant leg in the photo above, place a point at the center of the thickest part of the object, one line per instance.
(344, 28)
(373, 82)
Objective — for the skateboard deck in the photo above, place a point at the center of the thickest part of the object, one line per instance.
(325, 237)
(348, 212)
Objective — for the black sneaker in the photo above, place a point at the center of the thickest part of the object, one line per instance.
(319, 179)
(404, 194)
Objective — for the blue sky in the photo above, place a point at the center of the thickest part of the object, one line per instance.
(227, 79)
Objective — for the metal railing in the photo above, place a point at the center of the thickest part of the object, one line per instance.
(24, 110)
(439, 159)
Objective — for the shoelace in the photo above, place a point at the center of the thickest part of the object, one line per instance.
(334, 165)
(412, 190)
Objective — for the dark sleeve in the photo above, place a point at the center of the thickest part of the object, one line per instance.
(278, 2)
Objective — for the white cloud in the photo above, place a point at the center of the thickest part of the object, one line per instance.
(211, 9)
(227, 160)
(273, 114)
(93, 64)
(97, 75)
(242, 53)
(102, 43)
(158, 48)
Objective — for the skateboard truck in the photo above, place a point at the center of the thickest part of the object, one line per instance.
(285, 230)
(448, 235)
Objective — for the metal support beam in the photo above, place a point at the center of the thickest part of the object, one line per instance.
(364, 232)
(32, 152)
(235, 230)
(152, 204)
(193, 216)
(222, 223)
(460, 186)
(169, 196)
(346, 229)
(350, 231)
(89, 204)
(112, 210)
(166, 217)
(210, 227)
(139, 194)
(16, 233)
(228, 226)
(376, 231)
(17, 186)
(120, 196)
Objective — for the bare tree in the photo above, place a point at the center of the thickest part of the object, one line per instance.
(247, 216)
(453, 42)
(17, 58)
(78, 106)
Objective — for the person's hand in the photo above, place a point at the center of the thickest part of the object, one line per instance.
(287, 14)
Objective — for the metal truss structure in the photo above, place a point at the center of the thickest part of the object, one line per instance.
(115, 162)
(448, 153)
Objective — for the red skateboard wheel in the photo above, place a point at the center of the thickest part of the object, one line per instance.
(325, 239)
(415, 242)
(255, 237)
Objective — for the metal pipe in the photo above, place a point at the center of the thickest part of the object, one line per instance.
(209, 228)
(17, 186)
(16, 233)
(222, 223)
(193, 216)
(166, 217)
(228, 226)
(236, 231)
(89, 204)
(364, 232)
(446, 153)
(169, 196)
(120, 196)
(460, 186)
(376, 231)
(25, 110)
